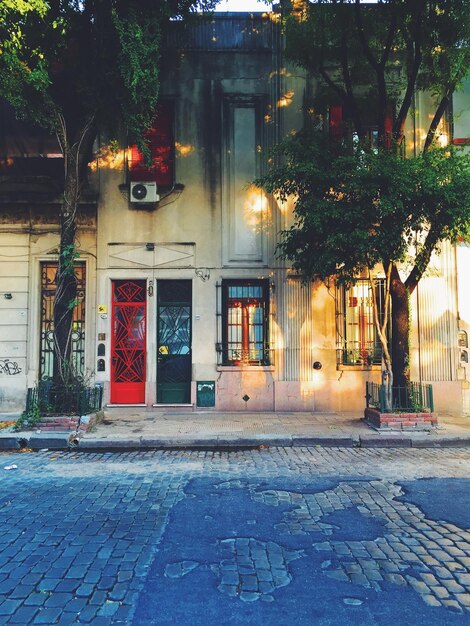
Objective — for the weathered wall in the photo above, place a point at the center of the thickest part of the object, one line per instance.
(24, 242)
(231, 105)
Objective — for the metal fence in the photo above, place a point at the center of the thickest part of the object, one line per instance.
(243, 32)
(355, 353)
(233, 354)
(414, 398)
(50, 399)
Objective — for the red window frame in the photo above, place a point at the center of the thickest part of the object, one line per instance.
(358, 341)
(160, 140)
(245, 322)
(336, 122)
(338, 127)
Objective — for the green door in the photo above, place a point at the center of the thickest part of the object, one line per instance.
(174, 311)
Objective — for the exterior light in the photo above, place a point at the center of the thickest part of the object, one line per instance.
(443, 140)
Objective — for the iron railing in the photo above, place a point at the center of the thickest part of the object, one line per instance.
(232, 354)
(245, 32)
(414, 398)
(355, 353)
(50, 399)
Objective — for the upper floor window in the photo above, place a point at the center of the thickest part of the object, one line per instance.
(341, 128)
(357, 337)
(245, 322)
(27, 151)
(160, 141)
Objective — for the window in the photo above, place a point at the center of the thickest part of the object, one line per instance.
(27, 151)
(358, 341)
(244, 211)
(335, 122)
(245, 322)
(161, 145)
(46, 348)
(340, 126)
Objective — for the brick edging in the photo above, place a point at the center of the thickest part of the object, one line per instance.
(402, 421)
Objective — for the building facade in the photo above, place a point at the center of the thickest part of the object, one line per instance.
(182, 300)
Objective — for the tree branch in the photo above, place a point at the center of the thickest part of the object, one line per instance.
(415, 54)
(362, 37)
(441, 109)
(422, 259)
(378, 66)
(330, 82)
(351, 99)
(389, 39)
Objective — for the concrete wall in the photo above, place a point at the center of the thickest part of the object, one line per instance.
(23, 245)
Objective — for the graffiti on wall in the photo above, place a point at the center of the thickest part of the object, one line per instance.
(10, 368)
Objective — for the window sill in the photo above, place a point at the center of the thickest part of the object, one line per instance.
(359, 368)
(245, 368)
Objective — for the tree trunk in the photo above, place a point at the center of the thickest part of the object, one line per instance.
(400, 330)
(66, 286)
(76, 157)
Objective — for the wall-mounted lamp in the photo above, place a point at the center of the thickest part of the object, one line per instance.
(8, 296)
(443, 140)
(150, 247)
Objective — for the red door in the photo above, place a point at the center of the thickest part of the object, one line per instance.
(128, 354)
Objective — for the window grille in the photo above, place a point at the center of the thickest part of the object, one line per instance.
(244, 323)
(46, 349)
(357, 338)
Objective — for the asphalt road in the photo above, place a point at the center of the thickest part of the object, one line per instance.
(274, 536)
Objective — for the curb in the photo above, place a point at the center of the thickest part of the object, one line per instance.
(327, 442)
(385, 442)
(71, 441)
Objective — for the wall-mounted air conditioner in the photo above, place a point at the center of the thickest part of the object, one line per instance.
(143, 192)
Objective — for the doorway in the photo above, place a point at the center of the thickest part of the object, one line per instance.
(128, 351)
(174, 312)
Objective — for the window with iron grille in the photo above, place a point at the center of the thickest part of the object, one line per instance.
(357, 337)
(46, 348)
(340, 126)
(160, 141)
(245, 311)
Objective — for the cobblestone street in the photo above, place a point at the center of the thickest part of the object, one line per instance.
(273, 536)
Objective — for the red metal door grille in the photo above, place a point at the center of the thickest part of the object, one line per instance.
(128, 350)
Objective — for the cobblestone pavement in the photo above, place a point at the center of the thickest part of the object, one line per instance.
(280, 536)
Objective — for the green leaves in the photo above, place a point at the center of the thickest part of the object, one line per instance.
(354, 210)
(380, 54)
(66, 62)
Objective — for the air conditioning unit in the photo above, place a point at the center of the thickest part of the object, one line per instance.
(143, 192)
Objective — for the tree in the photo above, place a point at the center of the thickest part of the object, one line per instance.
(358, 203)
(77, 69)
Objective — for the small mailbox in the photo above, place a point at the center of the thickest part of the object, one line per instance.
(205, 393)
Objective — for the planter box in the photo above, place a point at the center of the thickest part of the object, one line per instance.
(400, 421)
(68, 423)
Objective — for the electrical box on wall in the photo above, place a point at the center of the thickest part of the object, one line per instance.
(205, 393)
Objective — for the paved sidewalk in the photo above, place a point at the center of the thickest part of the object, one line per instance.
(136, 428)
